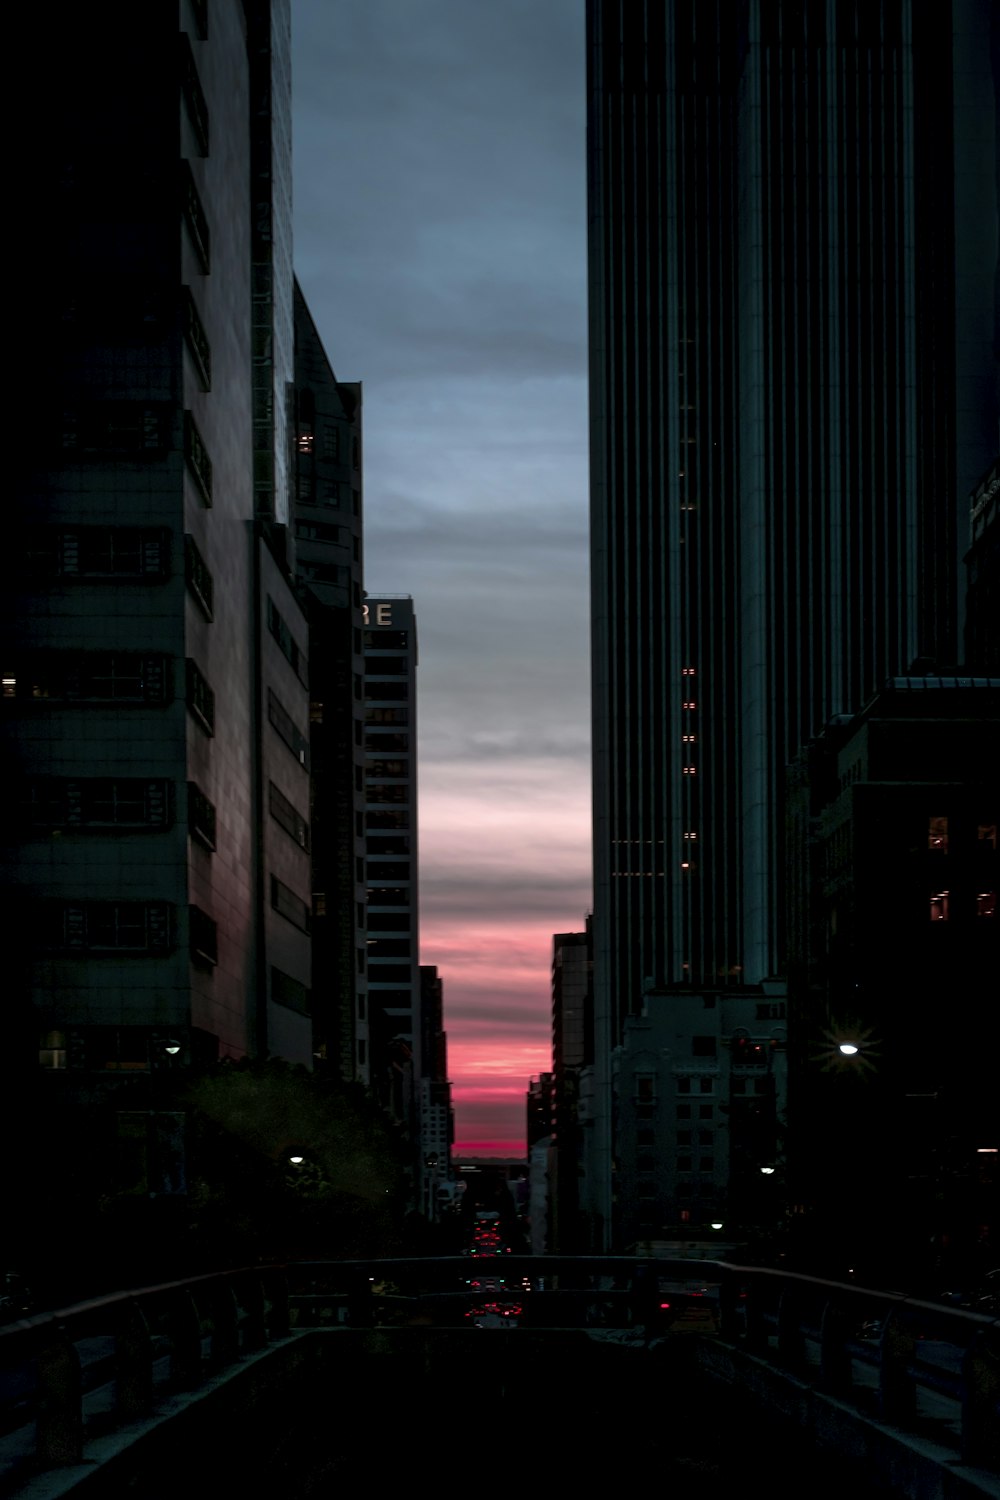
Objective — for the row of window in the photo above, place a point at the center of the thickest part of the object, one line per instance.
(937, 834)
(288, 645)
(944, 905)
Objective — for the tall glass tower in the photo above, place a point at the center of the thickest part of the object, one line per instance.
(793, 336)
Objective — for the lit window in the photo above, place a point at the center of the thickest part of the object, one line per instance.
(9, 686)
(937, 835)
(306, 440)
(939, 906)
(52, 1050)
(688, 739)
(690, 704)
(687, 671)
(986, 904)
(987, 834)
(689, 770)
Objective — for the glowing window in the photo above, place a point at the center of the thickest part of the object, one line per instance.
(939, 906)
(986, 904)
(937, 835)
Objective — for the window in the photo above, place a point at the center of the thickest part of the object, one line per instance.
(986, 904)
(52, 1050)
(385, 666)
(388, 818)
(204, 937)
(196, 340)
(287, 730)
(706, 1085)
(986, 834)
(96, 803)
(706, 1112)
(196, 456)
(195, 218)
(703, 1046)
(386, 716)
(389, 947)
(197, 577)
(287, 904)
(289, 992)
(937, 835)
(645, 1088)
(318, 531)
(379, 870)
(129, 429)
(684, 1085)
(387, 792)
(331, 441)
(201, 816)
(684, 1164)
(288, 817)
(706, 1164)
(95, 553)
(939, 906)
(118, 677)
(646, 1163)
(387, 640)
(683, 1111)
(287, 643)
(200, 698)
(389, 921)
(110, 926)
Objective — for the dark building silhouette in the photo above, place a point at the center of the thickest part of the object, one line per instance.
(893, 949)
(793, 337)
(572, 1052)
(434, 1107)
(157, 887)
(329, 536)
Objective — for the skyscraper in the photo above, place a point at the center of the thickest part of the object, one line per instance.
(793, 332)
(390, 647)
(156, 872)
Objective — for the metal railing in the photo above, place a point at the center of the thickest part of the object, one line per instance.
(73, 1373)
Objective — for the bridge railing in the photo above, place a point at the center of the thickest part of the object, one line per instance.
(76, 1372)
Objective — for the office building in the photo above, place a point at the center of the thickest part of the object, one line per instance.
(793, 335)
(156, 874)
(572, 1052)
(328, 517)
(393, 944)
(435, 1114)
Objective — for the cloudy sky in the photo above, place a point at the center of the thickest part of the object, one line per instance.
(440, 241)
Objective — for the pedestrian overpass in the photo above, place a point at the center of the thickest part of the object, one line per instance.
(288, 1380)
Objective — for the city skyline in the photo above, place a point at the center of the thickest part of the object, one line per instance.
(440, 240)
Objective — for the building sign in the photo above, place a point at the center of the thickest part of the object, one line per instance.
(383, 614)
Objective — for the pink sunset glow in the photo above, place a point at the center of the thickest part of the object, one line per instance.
(490, 905)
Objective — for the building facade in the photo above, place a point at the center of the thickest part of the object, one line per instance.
(793, 394)
(329, 562)
(156, 872)
(393, 943)
(894, 948)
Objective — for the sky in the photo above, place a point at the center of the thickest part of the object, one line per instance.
(440, 242)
